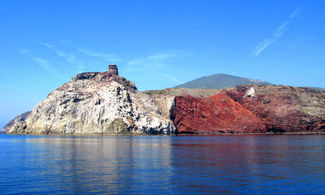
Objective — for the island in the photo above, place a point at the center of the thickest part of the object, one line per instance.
(104, 103)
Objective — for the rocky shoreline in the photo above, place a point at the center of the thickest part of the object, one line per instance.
(104, 103)
(182, 134)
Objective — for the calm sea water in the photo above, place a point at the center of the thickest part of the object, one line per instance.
(160, 165)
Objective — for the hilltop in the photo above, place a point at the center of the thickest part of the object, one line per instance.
(97, 103)
(219, 81)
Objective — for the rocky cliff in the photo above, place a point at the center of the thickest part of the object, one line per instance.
(252, 109)
(105, 103)
(284, 108)
(98, 103)
(215, 114)
(18, 121)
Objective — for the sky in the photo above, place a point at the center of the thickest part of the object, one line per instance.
(156, 44)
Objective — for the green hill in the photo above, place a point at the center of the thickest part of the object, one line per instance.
(219, 81)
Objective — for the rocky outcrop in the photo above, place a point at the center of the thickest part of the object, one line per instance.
(213, 115)
(284, 108)
(98, 103)
(252, 109)
(16, 123)
(105, 103)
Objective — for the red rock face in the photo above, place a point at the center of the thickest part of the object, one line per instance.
(264, 108)
(283, 108)
(215, 114)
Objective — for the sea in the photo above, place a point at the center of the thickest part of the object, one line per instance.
(273, 164)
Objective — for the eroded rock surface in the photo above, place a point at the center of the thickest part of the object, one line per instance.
(215, 114)
(284, 108)
(98, 103)
(17, 122)
(105, 103)
(252, 109)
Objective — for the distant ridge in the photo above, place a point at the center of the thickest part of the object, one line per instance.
(319, 88)
(219, 81)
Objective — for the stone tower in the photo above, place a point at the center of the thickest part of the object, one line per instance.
(113, 69)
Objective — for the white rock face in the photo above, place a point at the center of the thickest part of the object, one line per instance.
(98, 103)
(250, 92)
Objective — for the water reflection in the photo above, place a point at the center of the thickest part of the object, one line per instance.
(184, 164)
(249, 164)
(107, 164)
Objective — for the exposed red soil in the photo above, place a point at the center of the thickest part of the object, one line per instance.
(215, 114)
(270, 109)
(281, 108)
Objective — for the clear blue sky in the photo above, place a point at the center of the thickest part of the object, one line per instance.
(157, 44)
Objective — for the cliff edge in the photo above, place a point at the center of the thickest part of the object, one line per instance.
(98, 103)
(106, 103)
